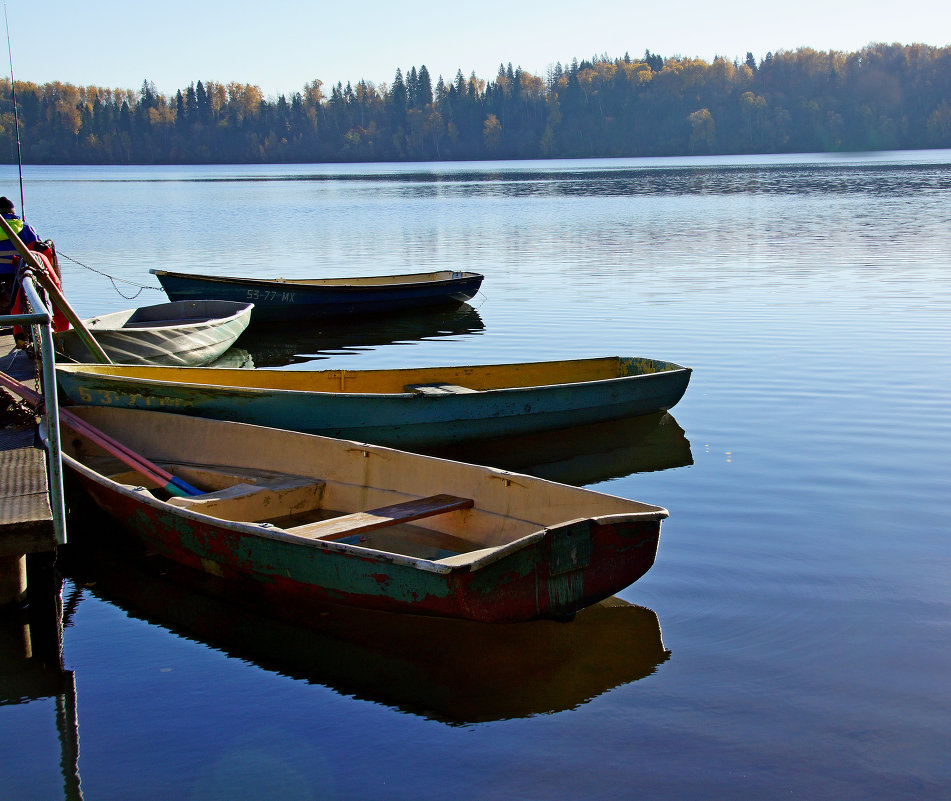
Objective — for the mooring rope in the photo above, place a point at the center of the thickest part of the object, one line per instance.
(111, 278)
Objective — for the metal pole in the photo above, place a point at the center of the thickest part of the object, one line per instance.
(16, 117)
(52, 439)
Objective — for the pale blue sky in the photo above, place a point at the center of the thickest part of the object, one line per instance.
(281, 45)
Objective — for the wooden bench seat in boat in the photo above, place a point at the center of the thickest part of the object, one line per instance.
(434, 390)
(267, 499)
(359, 522)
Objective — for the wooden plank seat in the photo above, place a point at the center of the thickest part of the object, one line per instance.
(265, 500)
(346, 525)
(436, 389)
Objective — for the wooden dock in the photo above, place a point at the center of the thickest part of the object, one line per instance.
(26, 522)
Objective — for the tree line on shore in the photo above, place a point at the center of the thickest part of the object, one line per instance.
(883, 97)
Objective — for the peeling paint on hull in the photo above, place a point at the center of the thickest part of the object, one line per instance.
(538, 581)
(291, 518)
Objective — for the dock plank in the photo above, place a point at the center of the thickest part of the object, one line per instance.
(26, 521)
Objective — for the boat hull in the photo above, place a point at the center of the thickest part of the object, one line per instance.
(543, 580)
(401, 419)
(282, 300)
(182, 333)
(554, 549)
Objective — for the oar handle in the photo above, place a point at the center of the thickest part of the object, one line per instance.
(125, 457)
(124, 454)
(31, 397)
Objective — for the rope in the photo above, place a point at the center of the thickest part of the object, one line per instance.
(111, 278)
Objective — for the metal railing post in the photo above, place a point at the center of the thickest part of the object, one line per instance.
(43, 319)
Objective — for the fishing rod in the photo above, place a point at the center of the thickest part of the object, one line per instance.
(16, 118)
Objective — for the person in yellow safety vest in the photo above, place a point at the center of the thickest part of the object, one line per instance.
(8, 251)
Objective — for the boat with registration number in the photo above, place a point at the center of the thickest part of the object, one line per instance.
(284, 299)
(289, 518)
(408, 407)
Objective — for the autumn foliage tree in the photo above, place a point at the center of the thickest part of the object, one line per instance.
(881, 97)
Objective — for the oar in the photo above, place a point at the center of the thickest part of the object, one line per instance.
(172, 484)
(54, 292)
(124, 454)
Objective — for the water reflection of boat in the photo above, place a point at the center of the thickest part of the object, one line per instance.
(585, 454)
(278, 345)
(454, 671)
(234, 358)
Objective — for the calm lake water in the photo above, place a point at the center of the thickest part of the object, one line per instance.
(793, 638)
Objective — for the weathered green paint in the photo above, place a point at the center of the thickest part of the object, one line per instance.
(337, 571)
(570, 554)
(549, 571)
(571, 547)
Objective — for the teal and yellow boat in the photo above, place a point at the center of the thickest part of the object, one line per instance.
(413, 407)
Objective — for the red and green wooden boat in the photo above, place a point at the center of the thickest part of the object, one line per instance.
(290, 518)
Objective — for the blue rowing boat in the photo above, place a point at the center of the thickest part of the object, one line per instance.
(280, 299)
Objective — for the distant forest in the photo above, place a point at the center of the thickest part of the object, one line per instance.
(883, 97)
